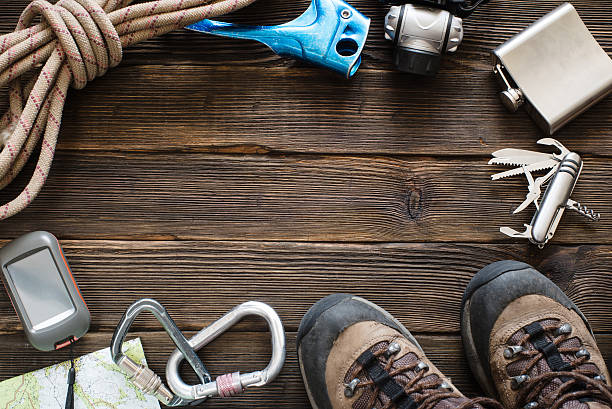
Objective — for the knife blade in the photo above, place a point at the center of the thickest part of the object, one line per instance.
(516, 162)
(534, 167)
(520, 156)
(531, 197)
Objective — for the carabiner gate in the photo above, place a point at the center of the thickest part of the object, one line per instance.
(179, 393)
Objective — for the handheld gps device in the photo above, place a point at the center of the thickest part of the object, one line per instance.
(43, 291)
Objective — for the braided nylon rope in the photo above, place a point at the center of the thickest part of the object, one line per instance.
(77, 41)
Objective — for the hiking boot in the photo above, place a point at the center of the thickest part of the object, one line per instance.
(528, 344)
(355, 355)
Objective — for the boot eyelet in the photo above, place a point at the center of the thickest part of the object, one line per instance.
(583, 352)
(446, 386)
(564, 329)
(600, 378)
(518, 381)
(349, 390)
(392, 349)
(531, 405)
(422, 366)
(513, 351)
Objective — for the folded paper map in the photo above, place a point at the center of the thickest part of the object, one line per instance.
(99, 384)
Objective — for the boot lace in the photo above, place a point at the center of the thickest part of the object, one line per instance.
(578, 380)
(425, 388)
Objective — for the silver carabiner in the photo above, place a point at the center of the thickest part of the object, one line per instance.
(233, 383)
(179, 393)
(140, 375)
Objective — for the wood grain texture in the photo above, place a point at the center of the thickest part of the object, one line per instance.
(245, 351)
(237, 96)
(420, 284)
(487, 28)
(307, 110)
(295, 198)
(205, 172)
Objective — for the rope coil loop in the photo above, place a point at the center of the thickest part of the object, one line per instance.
(76, 42)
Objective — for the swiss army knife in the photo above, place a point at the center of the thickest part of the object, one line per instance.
(564, 169)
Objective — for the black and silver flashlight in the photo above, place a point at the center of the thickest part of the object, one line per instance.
(423, 30)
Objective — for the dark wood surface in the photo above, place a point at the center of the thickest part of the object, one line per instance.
(205, 172)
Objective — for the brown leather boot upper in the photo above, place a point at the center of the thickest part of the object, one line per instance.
(370, 363)
(533, 342)
(528, 344)
(355, 355)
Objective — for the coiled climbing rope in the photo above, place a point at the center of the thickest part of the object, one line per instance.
(76, 41)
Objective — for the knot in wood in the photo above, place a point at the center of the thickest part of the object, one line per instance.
(414, 203)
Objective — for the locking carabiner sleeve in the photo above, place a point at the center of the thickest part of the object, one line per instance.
(234, 383)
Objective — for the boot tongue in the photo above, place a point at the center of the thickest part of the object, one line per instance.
(402, 379)
(518, 367)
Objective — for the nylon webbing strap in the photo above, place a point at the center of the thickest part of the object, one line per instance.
(547, 348)
(385, 382)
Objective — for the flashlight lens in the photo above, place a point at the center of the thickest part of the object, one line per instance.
(416, 61)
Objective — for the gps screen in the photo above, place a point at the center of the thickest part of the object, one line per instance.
(41, 289)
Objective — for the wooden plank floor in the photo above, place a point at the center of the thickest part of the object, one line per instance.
(205, 172)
